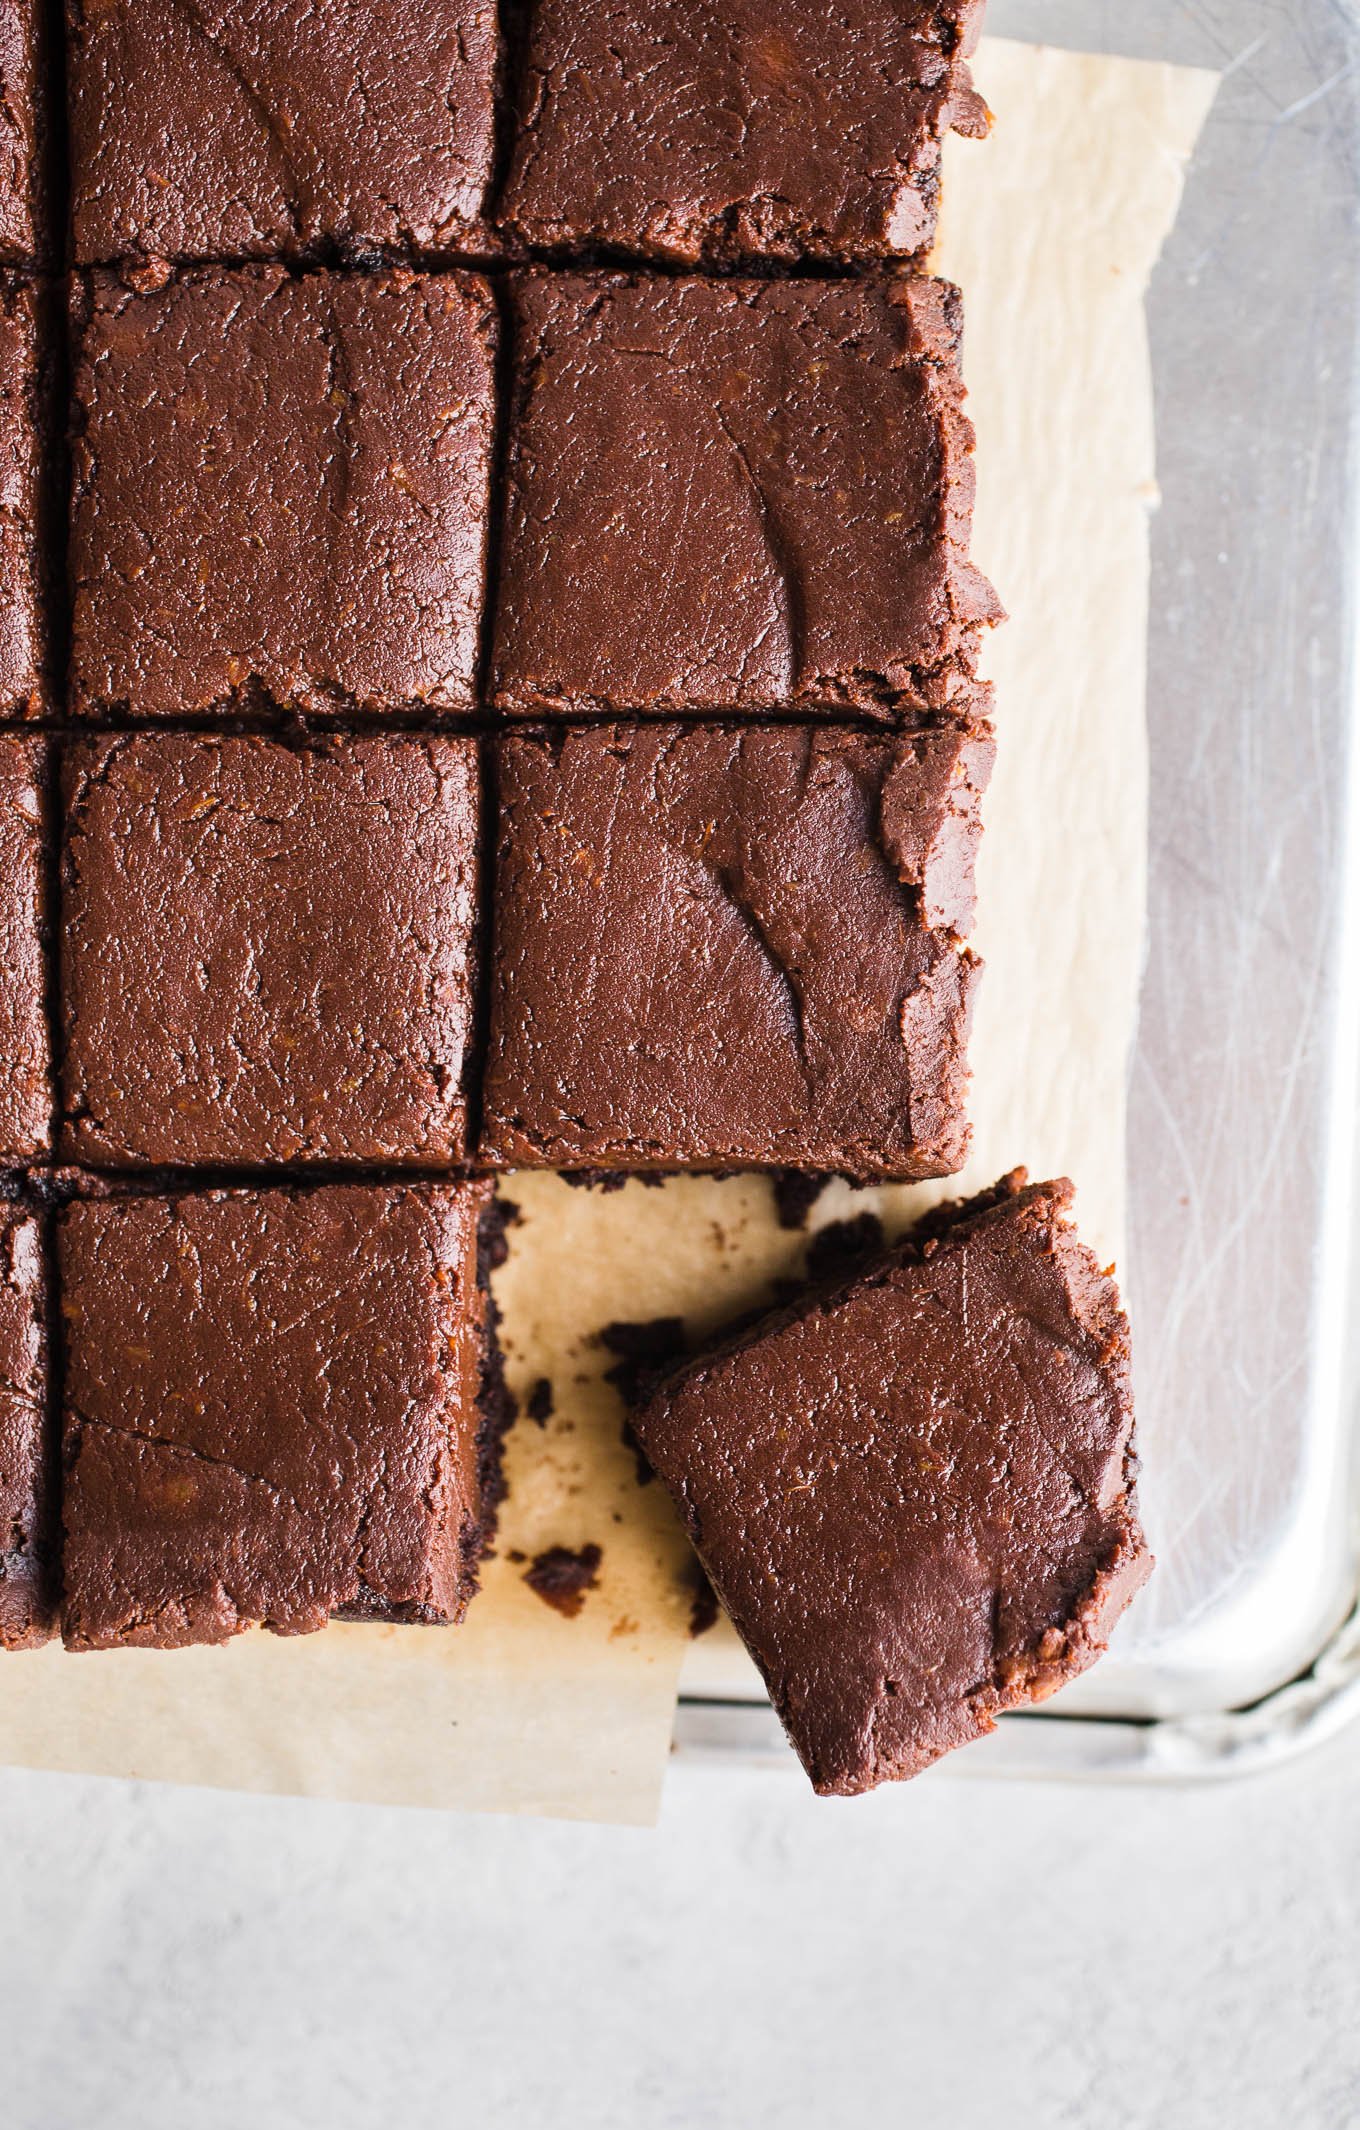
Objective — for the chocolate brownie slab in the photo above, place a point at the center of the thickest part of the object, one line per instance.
(27, 1554)
(23, 690)
(280, 488)
(732, 130)
(24, 220)
(738, 946)
(258, 129)
(914, 1492)
(271, 1411)
(268, 948)
(25, 1049)
(736, 496)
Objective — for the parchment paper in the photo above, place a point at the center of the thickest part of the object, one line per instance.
(1052, 229)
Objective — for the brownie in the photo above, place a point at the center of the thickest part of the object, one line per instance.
(23, 215)
(280, 489)
(202, 129)
(268, 948)
(914, 1492)
(719, 946)
(736, 496)
(23, 692)
(25, 1050)
(27, 1555)
(754, 129)
(271, 1411)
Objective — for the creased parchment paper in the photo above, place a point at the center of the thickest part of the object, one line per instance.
(1052, 229)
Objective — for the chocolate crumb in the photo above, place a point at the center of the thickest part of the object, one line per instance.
(795, 1194)
(703, 1611)
(539, 1404)
(646, 1351)
(562, 1577)
(838, 1247)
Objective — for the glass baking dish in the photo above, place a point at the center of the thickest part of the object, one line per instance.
(1243, 1274)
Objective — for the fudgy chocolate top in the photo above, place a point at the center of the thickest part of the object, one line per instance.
(720, 946)
(27, 1556)
(268, 951)
(914, 1494)
(736, 496)
(261, 128)
(22, 689)
(22, 236)
(270, 1411)
(25, 1050)
(281, 484)
(740, 129)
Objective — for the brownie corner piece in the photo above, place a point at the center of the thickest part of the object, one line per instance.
(914, 1491)
(352, 580)
(269, 131)
(269, 948)
(736, 497)
(762, 130)
(275, 1410)
(28, 1563)
(719, 946)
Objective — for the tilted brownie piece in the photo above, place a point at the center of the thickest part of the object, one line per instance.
(718, 947)
(268, 948)
(23, 692)
(280, 485)
(263, 129)
(914, 1493)
(271, 1411)
(24, 229)
(25, 1048)
(736, 496)
(731, 130)
(27, 1554)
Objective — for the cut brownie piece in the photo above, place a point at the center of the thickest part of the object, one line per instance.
(25, 1051)
(281, 486)
(273, 1411)
(914, 1493)
(27, 1555)
(736, 496)
(719, 947)
(262, 129)
(23, 692)
(268, 948)
(23, 214)
(776, 129)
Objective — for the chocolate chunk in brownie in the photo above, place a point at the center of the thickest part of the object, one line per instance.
(695, 131)
(280, 487)
(914, 1492)
(271, 1411)
(23, 689)
(733, 946)
(27, 1552)
(25, 232)
(736, 496)
(268, 951)
(263, 129)
(25, 1050)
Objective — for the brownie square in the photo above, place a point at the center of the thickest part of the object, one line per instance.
(23, 690)
(27, 1555)
(262, 129)
(736, 496)
(23, 214)
(25, 1049)
(720, 947)
(271, 1411)
(754, 129)
(268, 948)
(280, 490)
(914, 1492)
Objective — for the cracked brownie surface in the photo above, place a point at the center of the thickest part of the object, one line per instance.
(914, 1492)
(733, 946)
(25, 1049)
(742, 496)
(23, 691)
(268, 953)
(202, 130)
(270, 1411)
(280, 488)
(23, 238)
(28, 1572)
(693, 131)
